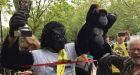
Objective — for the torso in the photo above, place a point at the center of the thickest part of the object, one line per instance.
(44, 56)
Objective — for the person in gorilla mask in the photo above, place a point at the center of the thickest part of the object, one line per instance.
(53, 36)
(52, 49)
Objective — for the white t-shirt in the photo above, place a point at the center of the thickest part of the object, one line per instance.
(44, 56)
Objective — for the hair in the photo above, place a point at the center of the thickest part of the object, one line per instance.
(133, 40)
(32, 41)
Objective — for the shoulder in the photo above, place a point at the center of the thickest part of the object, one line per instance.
(37, 52)
(70, 49)
(69, 45)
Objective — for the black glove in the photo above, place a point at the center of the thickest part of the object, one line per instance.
(19, 19)
(104, 59)
(111, 20)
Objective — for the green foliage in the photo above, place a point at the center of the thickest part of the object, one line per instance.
(127, 16)
(6, 6)
(5, 32)
(3, 3)
(72, 14)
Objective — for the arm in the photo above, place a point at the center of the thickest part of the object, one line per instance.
(118, 61)
(12, 57)
(111, 20)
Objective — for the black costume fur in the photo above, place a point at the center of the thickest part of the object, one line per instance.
(90, 38)
(11, 56)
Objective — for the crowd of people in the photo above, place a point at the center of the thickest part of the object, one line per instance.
(26, 55)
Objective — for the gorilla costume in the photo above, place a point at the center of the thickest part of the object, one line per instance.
(52, 40)
(90, 38)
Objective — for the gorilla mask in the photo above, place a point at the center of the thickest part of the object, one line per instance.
(58, 38)
(103, 18)
(97, 16)
(53, 36)
(90, 38)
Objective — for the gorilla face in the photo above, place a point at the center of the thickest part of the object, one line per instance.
(97, 16)
(58, 38)
(102, 18)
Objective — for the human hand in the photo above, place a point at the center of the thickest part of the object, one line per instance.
(111, 19)
(85, 64)
(83, 57)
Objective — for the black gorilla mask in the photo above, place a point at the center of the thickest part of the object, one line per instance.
(53, 36)
(58, 39)
(102, 18)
